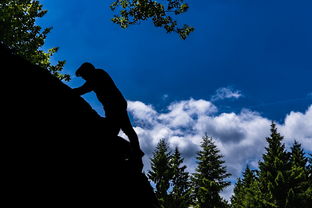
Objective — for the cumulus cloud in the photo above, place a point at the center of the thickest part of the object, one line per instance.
(298, 126)
(226, 93)
(239, 136)
(143, 112)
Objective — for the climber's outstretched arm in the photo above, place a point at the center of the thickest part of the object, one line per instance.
(85, 88)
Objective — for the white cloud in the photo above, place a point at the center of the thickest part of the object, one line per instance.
(142, 112)
(226, 93)
(181, 114)
(298, 126)
(239, 136)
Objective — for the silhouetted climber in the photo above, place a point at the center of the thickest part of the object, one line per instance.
(115, 105)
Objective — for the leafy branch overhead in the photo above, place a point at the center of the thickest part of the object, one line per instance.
(130, 12)
(20, 33)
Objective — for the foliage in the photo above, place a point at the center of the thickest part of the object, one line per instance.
(180, 182)
(274, 170)
(282, 180)
(135, 11)
(244, 190)
(160, 172)
(210, 175)
(299, 195)
(172, 181)
(309, 172)
(19, 32)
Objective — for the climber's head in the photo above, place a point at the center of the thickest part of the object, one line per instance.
(85, 70)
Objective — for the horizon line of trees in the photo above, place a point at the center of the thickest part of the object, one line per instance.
(283, 179)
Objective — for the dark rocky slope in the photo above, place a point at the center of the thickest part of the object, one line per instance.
(56, 150)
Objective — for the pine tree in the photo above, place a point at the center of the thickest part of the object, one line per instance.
(298, 196)
(161, 172)
(283, 179)
(297, 157)
(181, 186)
(274, 171)
(309, 190)
(210, 175)
(244, 190)
(237, 199)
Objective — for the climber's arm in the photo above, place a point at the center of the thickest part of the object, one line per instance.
(85, 88)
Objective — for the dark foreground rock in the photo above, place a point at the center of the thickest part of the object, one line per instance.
(56, 150)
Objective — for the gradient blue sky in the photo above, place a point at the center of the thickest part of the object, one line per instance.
(262, 49)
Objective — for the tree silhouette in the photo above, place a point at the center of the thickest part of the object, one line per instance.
(282, 180)
(274, 170)
(180, 196)
(161, 172)
(131, 12)
(298, 194)
(210, 175)
(19, 32)
(245, 190)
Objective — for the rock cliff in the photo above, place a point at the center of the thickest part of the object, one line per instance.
(57, 150)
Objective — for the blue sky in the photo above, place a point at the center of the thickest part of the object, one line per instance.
(261, 48)
(247, 63)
